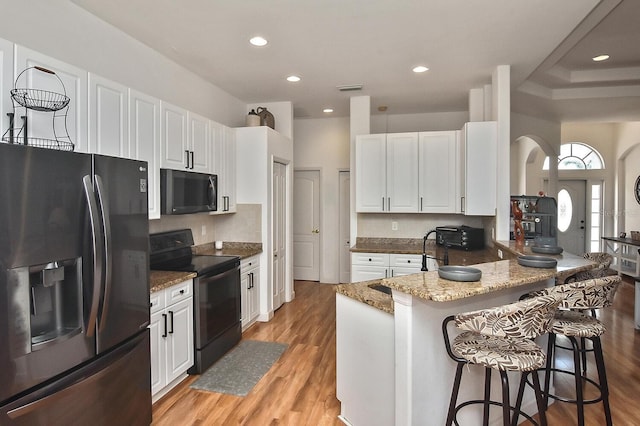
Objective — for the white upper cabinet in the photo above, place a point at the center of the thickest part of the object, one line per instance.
(479, 168)
(387, 173)
(68, 80)
(228, 178)
(186, 144)
(108, 117)
(144, 142)
(223, 140)
(402, 172)
(6, 82)
(438, 171)
(199, 143)
(174, 149)
(371, 173)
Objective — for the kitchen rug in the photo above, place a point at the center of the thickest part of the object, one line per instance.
(238, 371)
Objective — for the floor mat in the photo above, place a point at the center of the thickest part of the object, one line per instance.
(238, 371)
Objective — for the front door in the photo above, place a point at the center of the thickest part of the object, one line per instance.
(572, 215)
(306, 231)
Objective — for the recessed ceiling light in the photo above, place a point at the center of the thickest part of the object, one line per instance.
(293, 78)
(420, 68)
(258, 41)
(600, 58)
(327, 110)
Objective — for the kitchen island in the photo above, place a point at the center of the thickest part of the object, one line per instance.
(416, 376)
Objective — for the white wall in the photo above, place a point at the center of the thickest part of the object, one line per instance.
(524, 125)
(436, 121)
(628, 156)
(62, 30)
(323, 144)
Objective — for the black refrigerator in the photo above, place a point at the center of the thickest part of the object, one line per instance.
(74, 289)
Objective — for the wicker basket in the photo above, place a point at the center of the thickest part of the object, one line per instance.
(635, 235)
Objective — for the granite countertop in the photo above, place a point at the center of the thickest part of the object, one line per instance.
(363, 292)
(496, 274)
(159, 280)
(514, 250)
(242, 250)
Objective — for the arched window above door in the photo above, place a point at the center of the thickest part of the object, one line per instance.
(577, 156)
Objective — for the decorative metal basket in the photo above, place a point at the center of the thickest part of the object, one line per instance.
(40, 100)
(29, 99)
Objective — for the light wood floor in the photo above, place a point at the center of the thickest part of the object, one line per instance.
(300, 388)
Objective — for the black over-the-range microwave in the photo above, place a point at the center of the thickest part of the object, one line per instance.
(185, 192)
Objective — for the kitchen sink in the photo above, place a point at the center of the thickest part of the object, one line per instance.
(381, 288)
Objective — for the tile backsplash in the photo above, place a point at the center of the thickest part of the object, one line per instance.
(243, 226)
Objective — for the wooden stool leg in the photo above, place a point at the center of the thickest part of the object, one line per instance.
(454, 394)
(602, 378)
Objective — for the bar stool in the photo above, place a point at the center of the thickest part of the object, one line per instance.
(603, 269)
(570, 322)
(500, 339)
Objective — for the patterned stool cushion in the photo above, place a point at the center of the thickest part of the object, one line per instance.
(509, 354)
(576, 324)
(589, 294)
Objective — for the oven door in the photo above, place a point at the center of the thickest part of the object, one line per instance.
(217, 305)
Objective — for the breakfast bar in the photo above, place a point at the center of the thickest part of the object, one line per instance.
(403, 357)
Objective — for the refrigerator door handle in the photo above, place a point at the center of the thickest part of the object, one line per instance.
(108, 258)
(97, 255)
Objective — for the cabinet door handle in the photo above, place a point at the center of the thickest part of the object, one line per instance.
(164, 316)
(389, 204)
(382, 203)
(186, 151)
(171, 315)
(420, 203)
(462, 204)
(192, 159)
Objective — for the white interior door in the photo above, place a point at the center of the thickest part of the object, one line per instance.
(344, 209)
(572, 215)
(279, 233)
(306, 225)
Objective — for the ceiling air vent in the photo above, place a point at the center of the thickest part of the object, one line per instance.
(350, 87)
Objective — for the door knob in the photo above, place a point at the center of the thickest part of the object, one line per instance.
(315, 231)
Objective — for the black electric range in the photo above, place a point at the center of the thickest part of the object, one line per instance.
(216, 293)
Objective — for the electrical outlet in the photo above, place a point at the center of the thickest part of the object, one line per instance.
(394, 226)
(204, 230)
(500, 253)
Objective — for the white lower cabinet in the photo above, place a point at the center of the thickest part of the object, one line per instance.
(171, 329)
(372, 266)
(250, 290)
